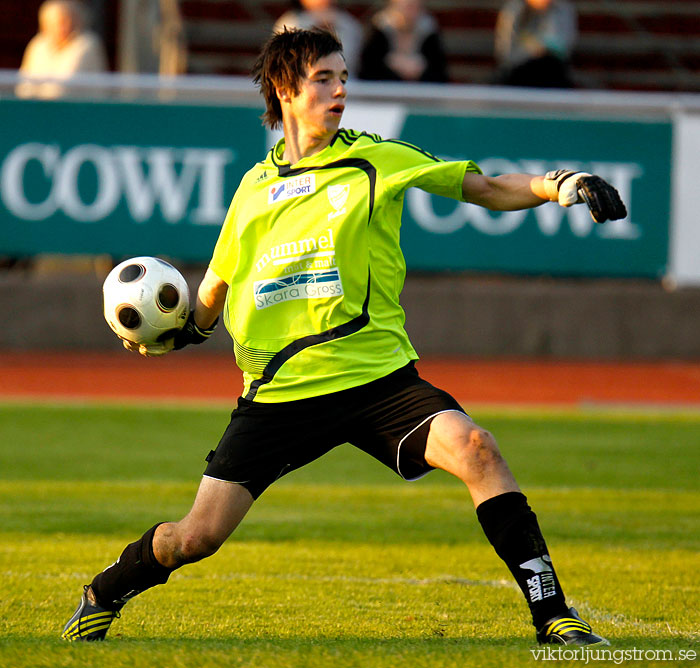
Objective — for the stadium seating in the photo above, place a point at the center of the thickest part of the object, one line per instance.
(641, 45)
(623, 44)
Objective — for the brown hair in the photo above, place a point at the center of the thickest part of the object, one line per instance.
(283, 62)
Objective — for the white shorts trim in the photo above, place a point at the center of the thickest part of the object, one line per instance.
(398, 449)
(232, 482)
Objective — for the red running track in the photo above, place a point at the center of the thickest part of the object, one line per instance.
(122, 375)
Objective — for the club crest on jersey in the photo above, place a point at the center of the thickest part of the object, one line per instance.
(296, 187)
(338, 196)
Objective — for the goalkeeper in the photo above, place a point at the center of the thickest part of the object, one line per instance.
(307, 273)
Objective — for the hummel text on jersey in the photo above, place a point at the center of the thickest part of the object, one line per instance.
(296, 187)
(301, 249)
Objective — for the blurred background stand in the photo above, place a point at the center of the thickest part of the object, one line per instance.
(151, 37)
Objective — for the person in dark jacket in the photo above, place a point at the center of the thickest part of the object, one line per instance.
(403, 44)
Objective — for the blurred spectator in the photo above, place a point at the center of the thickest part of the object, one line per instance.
(62, 48)
(171, 39)
(152, 37)
(326, 14)
(403, 44)
(534, 42)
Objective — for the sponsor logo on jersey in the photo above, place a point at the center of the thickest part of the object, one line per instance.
(296, 187)
(299, 250)
(338, 196)
(262, 176)
(302, 285)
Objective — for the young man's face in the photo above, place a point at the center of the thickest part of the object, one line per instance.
(319, 105)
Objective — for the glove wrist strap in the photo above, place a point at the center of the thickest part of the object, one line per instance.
(551, 190)
(553, 182)
(205, 333)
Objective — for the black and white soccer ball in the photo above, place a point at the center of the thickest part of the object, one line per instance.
(146, 300)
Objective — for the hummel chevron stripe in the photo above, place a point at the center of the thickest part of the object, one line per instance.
(89, 624)
(569, 624)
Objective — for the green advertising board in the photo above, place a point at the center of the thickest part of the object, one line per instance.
(121, 179)
(130, 178)
(634, 156)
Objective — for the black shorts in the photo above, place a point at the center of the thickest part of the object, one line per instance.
(388, 418)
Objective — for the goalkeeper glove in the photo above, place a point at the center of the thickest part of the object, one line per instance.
(567, 188)
(148, 349)
(192, 333)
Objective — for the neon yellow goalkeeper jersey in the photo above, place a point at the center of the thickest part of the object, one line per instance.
(312, 258)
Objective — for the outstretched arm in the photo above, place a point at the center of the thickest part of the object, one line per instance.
(510, 192)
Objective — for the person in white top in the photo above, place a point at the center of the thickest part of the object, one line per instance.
(62, 48)
(326, 14)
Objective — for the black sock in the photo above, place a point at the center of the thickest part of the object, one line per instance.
(512, 528)
(136, 570)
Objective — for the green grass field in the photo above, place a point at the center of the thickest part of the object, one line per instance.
(341, 563)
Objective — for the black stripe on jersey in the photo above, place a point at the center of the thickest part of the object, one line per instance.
(275, 364)
(347, 328)
(347, 140)
(349, 137)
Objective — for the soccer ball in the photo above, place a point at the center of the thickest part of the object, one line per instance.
(146, 300)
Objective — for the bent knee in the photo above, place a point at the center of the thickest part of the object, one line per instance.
(195, 546)
(473, 446)
(464, 448)
(480, 444)
(478, 457)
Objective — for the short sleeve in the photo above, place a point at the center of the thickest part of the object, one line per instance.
(407, 166)
(223, 260)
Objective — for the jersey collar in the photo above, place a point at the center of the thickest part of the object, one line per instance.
(283, 166)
